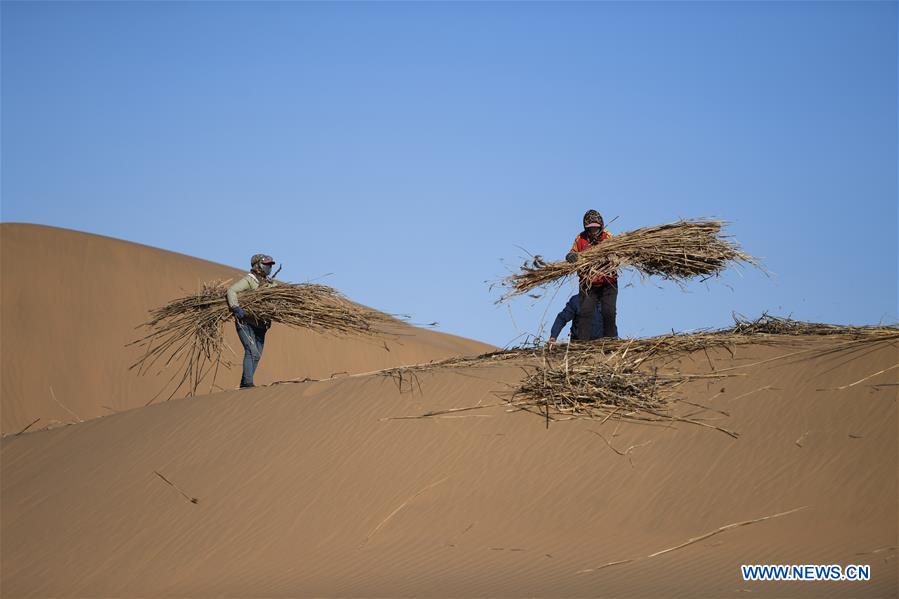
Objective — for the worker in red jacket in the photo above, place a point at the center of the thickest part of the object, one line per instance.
(602, 290)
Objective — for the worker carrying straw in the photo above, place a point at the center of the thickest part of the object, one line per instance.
(251, 330)
(602, 290)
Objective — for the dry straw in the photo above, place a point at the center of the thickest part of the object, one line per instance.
(631, 379)
(676, 251)
(766, 329)
(188, 333)
(615, 387)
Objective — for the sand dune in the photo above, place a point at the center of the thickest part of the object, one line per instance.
(308, 490)
(71, 301)
(323, 488)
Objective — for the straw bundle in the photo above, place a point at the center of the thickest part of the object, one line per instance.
(611, 388)
(189, 332)
(676, 251)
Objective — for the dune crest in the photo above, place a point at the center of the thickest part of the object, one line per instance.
(71, 302)
(422, 482)
(326, 488)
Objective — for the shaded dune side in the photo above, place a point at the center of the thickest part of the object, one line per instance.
(306, 489)
(71, 302)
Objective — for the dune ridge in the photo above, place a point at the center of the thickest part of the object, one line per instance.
(314, 489)
(72, 301)
(343, 486)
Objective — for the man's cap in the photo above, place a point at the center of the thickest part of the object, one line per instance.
(261, 259)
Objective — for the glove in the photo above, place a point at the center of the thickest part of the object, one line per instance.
(239, 313)
(571, 257)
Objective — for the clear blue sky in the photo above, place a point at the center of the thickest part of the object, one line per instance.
(409, 148)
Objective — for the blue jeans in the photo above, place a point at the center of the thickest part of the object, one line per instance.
(253, 340)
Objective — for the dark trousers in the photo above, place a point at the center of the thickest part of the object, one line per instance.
(607, 296)
(253, 341)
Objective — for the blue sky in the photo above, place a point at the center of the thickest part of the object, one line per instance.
(411, 149)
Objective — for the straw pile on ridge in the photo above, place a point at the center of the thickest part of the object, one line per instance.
(765, 329)
(613, 387)
(776, 325)
(188, 332)
(628, 379)
(675, 251)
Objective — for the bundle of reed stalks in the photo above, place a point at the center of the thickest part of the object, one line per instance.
(675, 251)
(188, 333)
(612, 388)
(597, 389)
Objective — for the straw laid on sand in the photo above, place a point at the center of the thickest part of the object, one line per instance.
(676, 251)
(765, 329)
(631, 379)
(188, 332)
(593, 385)
(776, 325)
(598, 389)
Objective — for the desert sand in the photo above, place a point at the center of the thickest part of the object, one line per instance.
(324, 488)
(71, 302)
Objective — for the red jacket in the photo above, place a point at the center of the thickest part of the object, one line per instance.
(581, 243)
